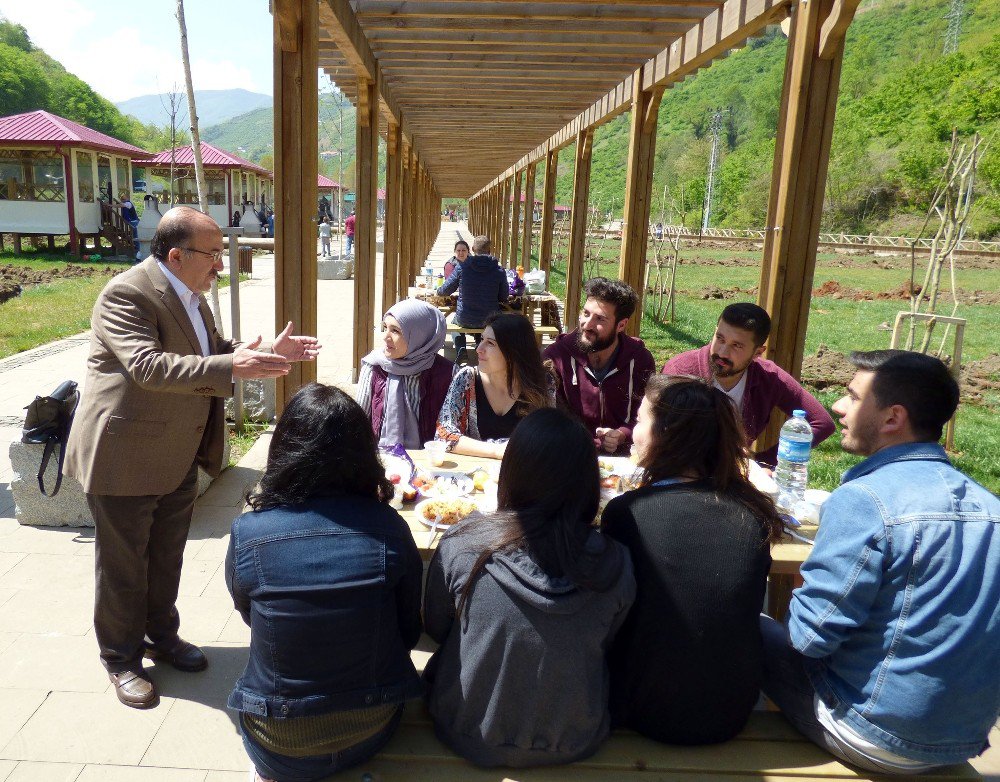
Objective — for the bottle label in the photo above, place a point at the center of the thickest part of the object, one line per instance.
(794, 450)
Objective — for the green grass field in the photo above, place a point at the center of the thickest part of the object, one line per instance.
(841, 325)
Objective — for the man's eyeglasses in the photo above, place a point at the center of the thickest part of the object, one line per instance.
(215, 256)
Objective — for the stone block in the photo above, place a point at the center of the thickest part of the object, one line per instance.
(335, 268)
(258, 401)
(69, 507)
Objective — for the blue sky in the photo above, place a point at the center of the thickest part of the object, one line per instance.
(124, 49)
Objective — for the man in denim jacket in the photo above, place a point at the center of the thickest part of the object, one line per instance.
(891, 659)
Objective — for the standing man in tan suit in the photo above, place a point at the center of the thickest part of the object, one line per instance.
(151, 413)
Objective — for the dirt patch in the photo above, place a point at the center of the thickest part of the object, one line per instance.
(980, 377)
(835, 290)
(713, 292)
(14, 279)
(826, 368)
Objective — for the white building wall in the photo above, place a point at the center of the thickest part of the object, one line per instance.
(88, 215)
(34, 217)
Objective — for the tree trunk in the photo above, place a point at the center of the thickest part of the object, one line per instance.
(199, 171)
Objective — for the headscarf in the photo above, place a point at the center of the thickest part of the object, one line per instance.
(424, 330)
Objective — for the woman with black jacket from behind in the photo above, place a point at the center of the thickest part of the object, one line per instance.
(687, 665)
(524, 604)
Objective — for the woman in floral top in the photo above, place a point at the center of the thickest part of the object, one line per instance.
(484, 403)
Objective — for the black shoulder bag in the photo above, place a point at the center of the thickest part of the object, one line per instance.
(47, 423)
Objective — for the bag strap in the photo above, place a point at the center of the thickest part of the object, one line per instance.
(50, 445)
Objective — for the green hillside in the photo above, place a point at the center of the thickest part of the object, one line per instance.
(251, 135)
(899, 98)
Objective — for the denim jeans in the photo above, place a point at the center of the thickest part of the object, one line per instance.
(350, 243)
(283, 768)
(461, 351)
(787, 684)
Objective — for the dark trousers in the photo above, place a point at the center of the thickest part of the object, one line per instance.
(139, 552)
(461, 351)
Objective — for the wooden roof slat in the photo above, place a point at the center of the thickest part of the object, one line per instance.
(548, 26)
(652, 12)
(499, 38)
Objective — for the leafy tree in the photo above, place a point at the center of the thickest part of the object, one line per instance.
(23, 85)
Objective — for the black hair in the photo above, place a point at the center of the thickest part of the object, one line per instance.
(323, 444)
(515, 336)
(749, 317)
(169, 234)
(920, 383)
(548, 494)
(615, 292)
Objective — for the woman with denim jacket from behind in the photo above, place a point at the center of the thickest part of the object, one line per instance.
(327, 576)
(698, 532)
(524, 604)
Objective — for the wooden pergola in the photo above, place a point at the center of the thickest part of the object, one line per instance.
(477, 99)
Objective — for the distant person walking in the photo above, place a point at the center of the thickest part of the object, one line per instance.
(349, 231)
(324, 238)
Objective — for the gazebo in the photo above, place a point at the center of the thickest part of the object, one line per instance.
(44, 157)
(543, 76)
(232, 182)
(328, 189)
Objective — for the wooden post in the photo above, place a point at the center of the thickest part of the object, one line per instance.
(406, 223)
(503, 241)
(515, 223)
(638, 187)
(413, 224)
(391, 292)
(17, 244)
(296, 123)
(548, 211)
(795, 205)
(801, 158)
(578, 224)
(529, 215)
(366, 206)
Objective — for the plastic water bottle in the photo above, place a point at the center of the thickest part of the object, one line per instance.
(792, 472)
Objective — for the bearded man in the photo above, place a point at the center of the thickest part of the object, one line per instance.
(603, 371)
(732, 361)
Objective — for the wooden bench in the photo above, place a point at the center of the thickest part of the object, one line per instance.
(767, 749)
(540, 331)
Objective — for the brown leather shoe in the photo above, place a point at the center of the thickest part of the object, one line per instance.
(182, 655)
(135, 689)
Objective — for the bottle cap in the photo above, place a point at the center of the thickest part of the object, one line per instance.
(799, 413)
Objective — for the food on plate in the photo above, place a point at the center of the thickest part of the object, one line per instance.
(447, 510)
(618, 483)
(443, 484)
(409, 493)
(479, 479)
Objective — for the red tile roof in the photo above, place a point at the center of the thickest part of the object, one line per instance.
(42, 128)
(326, 182)
(210, 156)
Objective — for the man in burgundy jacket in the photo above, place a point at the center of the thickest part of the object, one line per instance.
(603, 371)
(732, 360)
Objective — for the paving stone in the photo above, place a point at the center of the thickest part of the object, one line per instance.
(6, 767)
(18, 706)
(110, 732)
(58, 572)
(67, 663)
(30, 771)
(9, 560)
(45, 613)
(92, 773)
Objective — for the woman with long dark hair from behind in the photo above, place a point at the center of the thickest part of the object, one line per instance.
(698, 532)
(327, 576)
(485, 402)
(524, 604)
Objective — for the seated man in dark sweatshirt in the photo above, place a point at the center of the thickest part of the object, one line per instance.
(482, 288)
(602, 370)
(732, 361)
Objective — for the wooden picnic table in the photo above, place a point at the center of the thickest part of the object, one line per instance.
(786, 557)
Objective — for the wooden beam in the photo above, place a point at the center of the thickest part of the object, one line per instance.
(366, 204)
(831, 35)
(801, 158)
(515, 222)
(661, 11)
(296, 122)
(578, 225)
(529, 215)
(548, 211)
(391, 290)
(462, 24)
(638, 187)
(503, 240)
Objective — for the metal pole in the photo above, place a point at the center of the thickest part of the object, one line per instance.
(234, 307)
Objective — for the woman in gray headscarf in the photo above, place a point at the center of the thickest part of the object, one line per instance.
(402, 385)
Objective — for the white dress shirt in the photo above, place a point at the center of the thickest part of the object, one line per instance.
(191, 302)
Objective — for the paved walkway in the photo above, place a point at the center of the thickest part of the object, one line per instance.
(59, 718)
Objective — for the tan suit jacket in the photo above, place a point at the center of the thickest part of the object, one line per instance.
(152, 404)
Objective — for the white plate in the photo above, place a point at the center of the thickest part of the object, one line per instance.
(419, 510)
(620, 465)
(816, 496)
(457, 484)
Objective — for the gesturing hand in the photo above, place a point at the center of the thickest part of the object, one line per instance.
(293, 347)
(610, 439)
(252, 364)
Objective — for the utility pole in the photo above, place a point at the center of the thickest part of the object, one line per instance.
(715, 128)
(954, 16)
